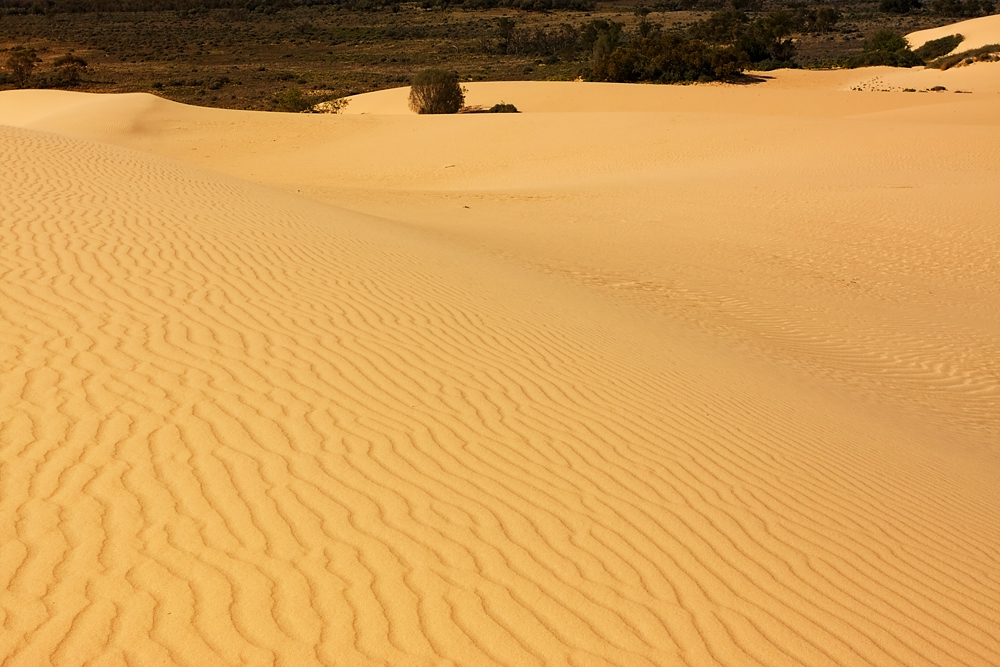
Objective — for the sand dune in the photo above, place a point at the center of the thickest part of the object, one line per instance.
(705, 376)
(977, 32)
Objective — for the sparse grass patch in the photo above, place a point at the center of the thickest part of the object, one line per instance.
(983, 53)
(293, 100)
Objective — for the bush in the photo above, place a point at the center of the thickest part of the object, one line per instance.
(503, 107)
(886, 47)
(939, 47)
(887, 41)
(436, 91)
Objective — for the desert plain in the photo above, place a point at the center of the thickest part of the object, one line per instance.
(643, 375)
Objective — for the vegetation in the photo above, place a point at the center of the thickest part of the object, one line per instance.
(886, 47)
(899, 6)
(69, 69)
(938, 47)
(983, 53)
(20, 63)
(502, 107)
(295, 101)
(247, 54)
(964, 8)
(436, 91)
(666, 58)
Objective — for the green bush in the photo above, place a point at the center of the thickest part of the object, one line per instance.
(503, 107)
(939, 47)
(886, 47)
(293, 100)
(887, 41)
(436, 91)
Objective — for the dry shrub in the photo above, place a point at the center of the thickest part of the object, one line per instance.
(436, 91)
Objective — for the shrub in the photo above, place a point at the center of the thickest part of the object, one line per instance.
(20, 62)
(292, 100)
(886, 47)
(436, 91)
(939, 47)
(887, 41)
(503, 107)
(983, 53)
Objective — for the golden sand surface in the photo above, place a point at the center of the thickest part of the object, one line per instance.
(977, 32)
(703, 375)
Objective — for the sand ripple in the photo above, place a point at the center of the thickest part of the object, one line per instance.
(243, 428)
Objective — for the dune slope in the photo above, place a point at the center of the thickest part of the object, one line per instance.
(977, 32)
(244, 427)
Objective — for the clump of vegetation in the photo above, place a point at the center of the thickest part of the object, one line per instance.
(667, 58)
(982, 54)
(939, 47)
(69, 69)
(503, 107)
(436, 91)
(886, 47)
(293, 100)
(20, 63)
(764, 42)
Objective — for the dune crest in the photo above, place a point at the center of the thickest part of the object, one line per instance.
(390, 390)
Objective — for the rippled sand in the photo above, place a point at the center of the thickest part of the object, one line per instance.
(642, 376)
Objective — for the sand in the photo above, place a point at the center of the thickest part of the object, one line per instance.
(977, 32)
(642, 376)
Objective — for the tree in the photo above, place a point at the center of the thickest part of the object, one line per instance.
(436, 91)
(646, 28)
(21, 61)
